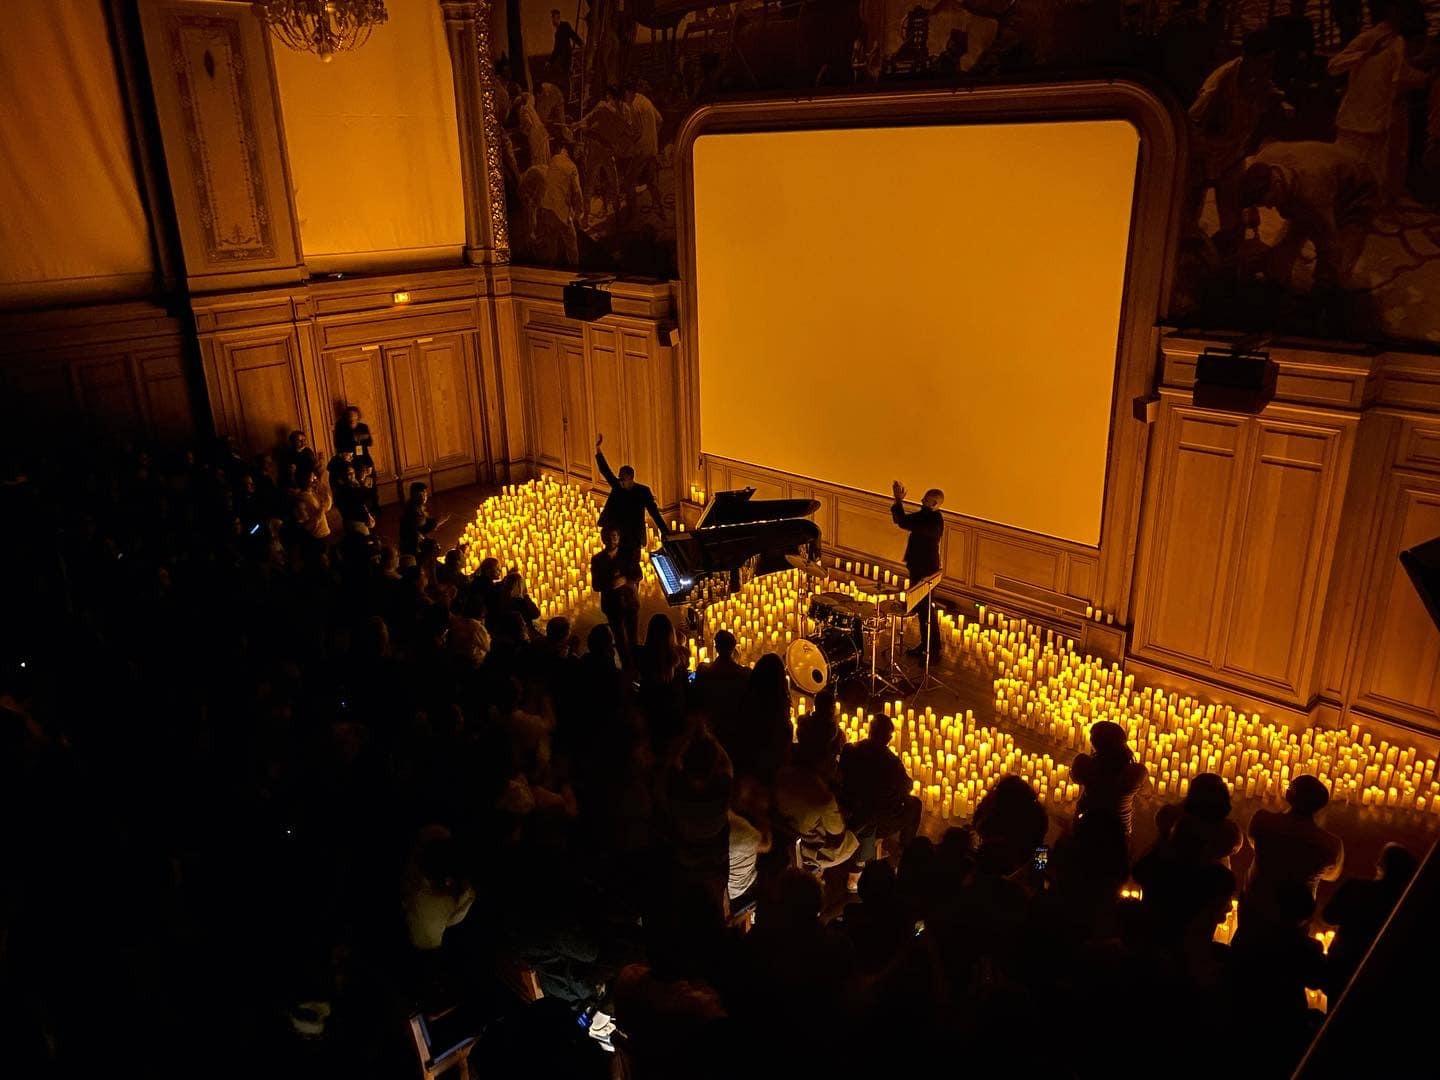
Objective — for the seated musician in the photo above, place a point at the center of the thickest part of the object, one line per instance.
(628, 503)
(615, 575)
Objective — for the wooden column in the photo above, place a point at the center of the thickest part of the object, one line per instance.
(467, 29)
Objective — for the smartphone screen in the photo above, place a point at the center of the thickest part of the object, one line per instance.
(1041, 859)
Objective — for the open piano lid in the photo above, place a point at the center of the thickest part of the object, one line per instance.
(742, 508)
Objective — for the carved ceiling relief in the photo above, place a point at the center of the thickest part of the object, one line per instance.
(220, 135)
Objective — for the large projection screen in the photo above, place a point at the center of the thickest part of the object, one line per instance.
(939, 305)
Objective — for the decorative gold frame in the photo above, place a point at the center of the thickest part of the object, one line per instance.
(1153, 236)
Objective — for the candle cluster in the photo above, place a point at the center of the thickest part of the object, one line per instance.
(1043, 686)
(547, 531)
(953, 760)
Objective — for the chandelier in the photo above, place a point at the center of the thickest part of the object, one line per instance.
(323, 27)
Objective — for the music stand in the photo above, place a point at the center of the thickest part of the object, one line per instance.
(916, 593)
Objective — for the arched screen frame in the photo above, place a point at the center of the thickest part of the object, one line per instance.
(1154, 227)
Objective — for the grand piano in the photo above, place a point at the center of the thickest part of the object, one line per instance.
(737, 537)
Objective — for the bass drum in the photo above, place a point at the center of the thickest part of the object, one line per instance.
(807, 666)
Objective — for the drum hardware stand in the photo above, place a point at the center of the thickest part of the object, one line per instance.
(922, 589)
(894, 680)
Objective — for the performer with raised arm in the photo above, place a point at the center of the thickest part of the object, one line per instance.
(627, 505)
(922, 555)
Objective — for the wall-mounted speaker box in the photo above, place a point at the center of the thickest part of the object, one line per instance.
(1235, 382)
(669, 335)
(586, 301)
(1422, 563)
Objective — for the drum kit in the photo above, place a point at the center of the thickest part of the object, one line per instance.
(845, 648)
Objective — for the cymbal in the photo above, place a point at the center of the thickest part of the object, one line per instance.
(867, 608)
(809, 567)
(892, 607)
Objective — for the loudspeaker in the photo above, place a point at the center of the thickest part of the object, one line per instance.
(1422, 563)
(583, 300)
(669, 335)
(1235, 382)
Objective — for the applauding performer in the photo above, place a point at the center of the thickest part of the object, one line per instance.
(922, 556)
(627, 505)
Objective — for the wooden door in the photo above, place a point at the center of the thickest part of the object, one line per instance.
(406, 421)
(357, 377)
(1188, 529)
(580, 437)
(1295, 473)
(447, 391)
(547, 399)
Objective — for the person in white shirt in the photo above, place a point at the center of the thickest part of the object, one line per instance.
(563, 204)
(645, 120)
(1372, 123)
(532, 130)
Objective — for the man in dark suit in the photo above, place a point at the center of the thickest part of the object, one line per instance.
(627, 505)
(922, 555)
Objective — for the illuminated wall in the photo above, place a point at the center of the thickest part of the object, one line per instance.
(372, 140)
(72, 225)
(939, 305)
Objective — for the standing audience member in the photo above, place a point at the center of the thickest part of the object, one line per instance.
(1291, 848)
(353, 434)
(758, 737)
(720, 683)
(1109, 776)
(660, 665)
(1358, 911)
(1199, 828)
(615, 575)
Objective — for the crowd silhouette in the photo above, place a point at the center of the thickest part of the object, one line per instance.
(277, 787)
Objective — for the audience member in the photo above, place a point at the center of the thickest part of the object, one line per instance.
(1110, 776)
(875, 790)
(1291, 847)
(1358, 911)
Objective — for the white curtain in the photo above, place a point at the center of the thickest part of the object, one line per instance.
(72, 225)
(372, 140)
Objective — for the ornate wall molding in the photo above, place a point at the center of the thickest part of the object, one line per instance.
(467, 29)
(218, 114)
(220, 135)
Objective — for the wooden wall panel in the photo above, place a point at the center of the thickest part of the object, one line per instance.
(609, 401)
(444, 369)
(105, 387)
(547, 399)
(406, 419)
(268, 399)
(580, 434)
(999, 561)
(863, 526)
(1281, 543)
(165, 395)
(1400, 662)
(1188, 550)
